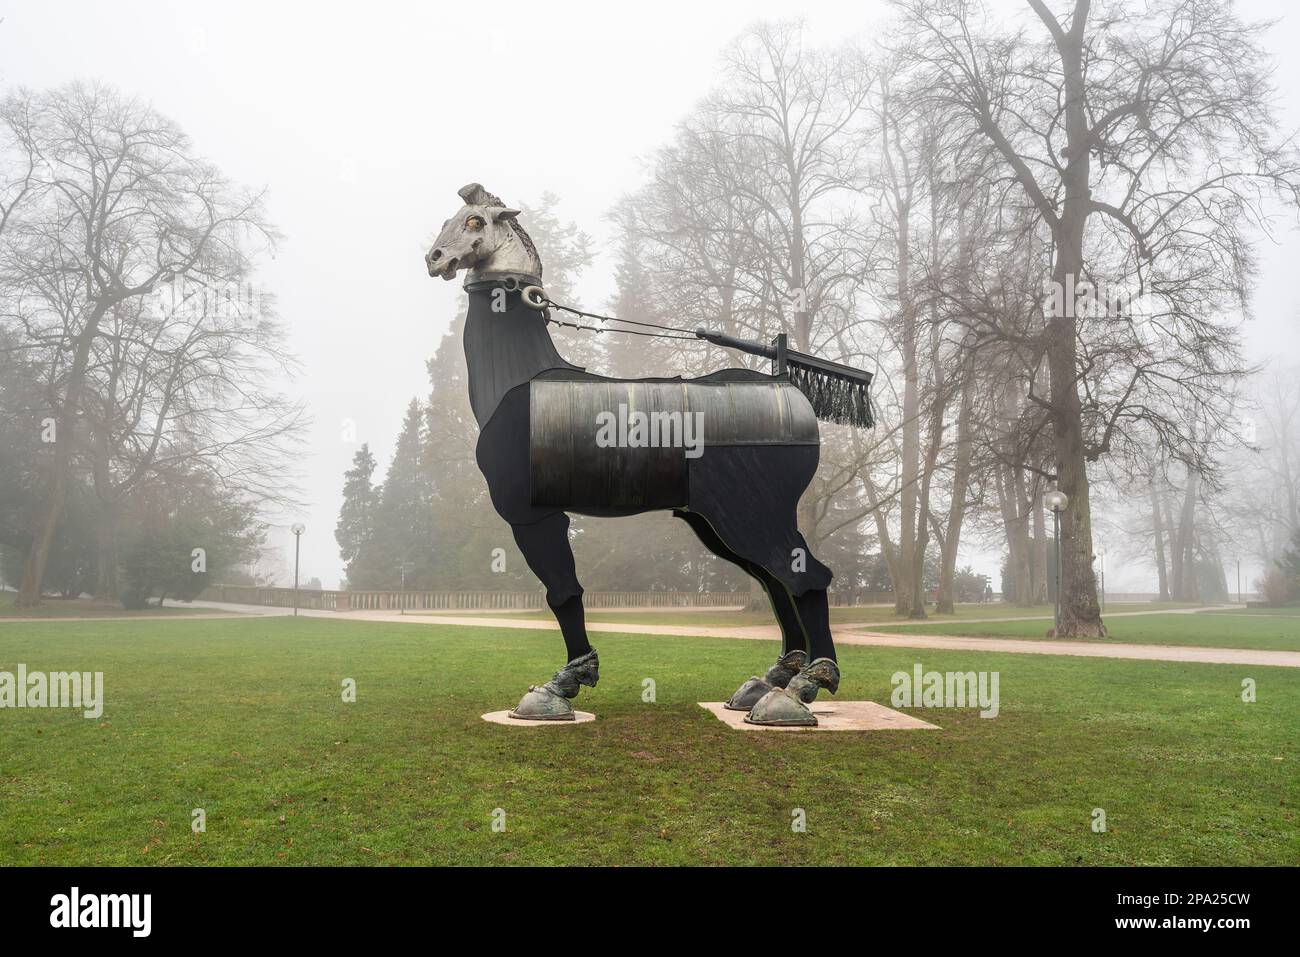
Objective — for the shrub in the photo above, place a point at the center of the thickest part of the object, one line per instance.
(1275, 587)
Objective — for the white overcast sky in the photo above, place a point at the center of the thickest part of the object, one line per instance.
(363, 119)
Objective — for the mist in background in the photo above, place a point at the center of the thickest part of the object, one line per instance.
(362, 121)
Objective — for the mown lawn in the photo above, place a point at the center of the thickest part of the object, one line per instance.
(244, 719)
(1284, 611)
(1203, 629)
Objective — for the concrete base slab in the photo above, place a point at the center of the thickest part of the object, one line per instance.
(831, 716)
(503, 717)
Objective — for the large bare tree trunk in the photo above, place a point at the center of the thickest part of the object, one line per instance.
(106, 521)
(802, 318)
(904, 587)
(1080, 611)
(29, 590)
(1175, 552)
(961, 470)
(1015, 525)
(1038, 575)
(1186, 581)
(106, 554)
(1162, 572)
(1022, 504)
(922, 540)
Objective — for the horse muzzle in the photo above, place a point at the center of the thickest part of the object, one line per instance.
(439, 265)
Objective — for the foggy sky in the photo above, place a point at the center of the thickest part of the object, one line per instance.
(362, 121)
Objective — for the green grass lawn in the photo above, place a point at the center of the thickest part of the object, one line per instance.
(1285, 611)
(89, 608)
(1203, 629)
(244, 718)
(871, 614)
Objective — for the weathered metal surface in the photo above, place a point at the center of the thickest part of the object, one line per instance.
(780, 709)
(550, 702)
(778, 676)
(656, 428)
(542, 704)
(788, 707)
(483, 237)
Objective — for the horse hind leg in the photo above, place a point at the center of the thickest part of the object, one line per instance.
(794, 654)
(789, 706)
(794, 651)
(545, 545)
(815, 614)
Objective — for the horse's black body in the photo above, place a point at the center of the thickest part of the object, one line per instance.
(740, 495)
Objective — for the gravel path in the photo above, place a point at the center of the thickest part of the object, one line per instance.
(853, 634)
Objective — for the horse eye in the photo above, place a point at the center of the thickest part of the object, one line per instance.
(474, 222)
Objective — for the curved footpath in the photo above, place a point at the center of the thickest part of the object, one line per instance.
(851, 634)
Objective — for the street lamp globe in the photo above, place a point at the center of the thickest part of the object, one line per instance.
(297, 528)
(1056, 500)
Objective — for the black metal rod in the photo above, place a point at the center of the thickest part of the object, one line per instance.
(741, 345)
(824, 366)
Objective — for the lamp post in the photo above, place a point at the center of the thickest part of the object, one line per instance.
(1238, 581)
(1056, 500)
(401, 599)
(1102, 556)
(297, 528)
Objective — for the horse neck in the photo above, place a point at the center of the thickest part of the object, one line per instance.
(504, 349)
(515, 253)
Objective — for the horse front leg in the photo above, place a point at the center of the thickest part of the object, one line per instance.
(545, 545)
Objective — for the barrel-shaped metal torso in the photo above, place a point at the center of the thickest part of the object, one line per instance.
(596, 443)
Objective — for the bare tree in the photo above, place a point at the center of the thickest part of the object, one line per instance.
(748, 225)
(1262, 511)
(179, 384)
(118, 203)
(1143, 139)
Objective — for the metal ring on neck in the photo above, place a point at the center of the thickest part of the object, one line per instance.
(534, 297)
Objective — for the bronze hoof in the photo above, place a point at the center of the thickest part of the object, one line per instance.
(539, 704)
(781, 709)
(748, 694)
(778, 676)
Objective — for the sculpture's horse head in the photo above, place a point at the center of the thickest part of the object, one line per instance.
(484, 236)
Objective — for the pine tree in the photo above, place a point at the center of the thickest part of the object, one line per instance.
(403, 546)
(465, 526)
(628, 355)
(355, 529)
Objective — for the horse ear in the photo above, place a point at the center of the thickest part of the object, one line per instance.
(500, 215)
(471, 193)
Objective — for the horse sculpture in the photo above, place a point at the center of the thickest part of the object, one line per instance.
(729, 453)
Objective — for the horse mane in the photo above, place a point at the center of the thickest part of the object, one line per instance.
(528, 243)
(475, 195)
